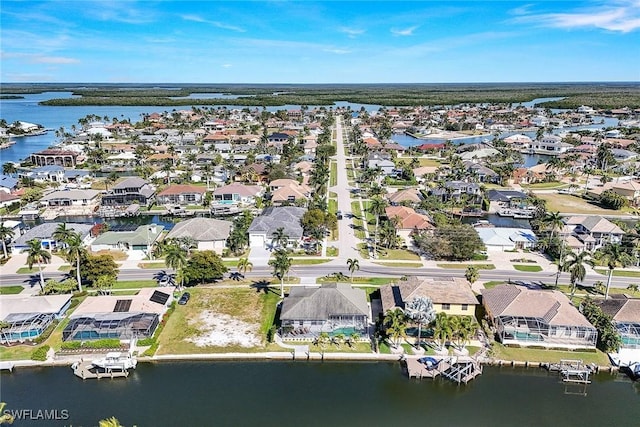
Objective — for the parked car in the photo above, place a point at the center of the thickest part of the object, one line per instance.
(339, 214)
(184, 298)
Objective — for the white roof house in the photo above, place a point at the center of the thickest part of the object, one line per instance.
(503, 238)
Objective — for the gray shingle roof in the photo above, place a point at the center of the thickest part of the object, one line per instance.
(321, 303)
(44, 231)
(201, 229)
(272, 218)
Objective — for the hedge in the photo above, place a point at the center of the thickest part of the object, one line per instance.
(40, 353)
(47, 332)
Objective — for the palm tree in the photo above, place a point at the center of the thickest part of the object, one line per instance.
(377, 207)
(421, 311)
(244, 265)
(395, 322)
(281, 265)
(36, 254)
(471, 274)
(353, 265)
(279, 238)
(442, 330)
(110, 179)
(9, 168)
(614, 255)
(176, 258)
(575, 264)
(5, 233)
(62, 233)
(73, 252)
(553, 221)
(462, 328)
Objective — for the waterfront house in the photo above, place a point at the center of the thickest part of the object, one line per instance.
(28, 316)
(451, 295)
(50, 173)
(506, 238)
(275, 217)
(408, 221)
(179, 194)
(136, 243)
(457, 190)
(55, 156)
(8, 199)
(208, 233)
(44, 233)
(541, 318)
(625, 313)
(236, 194)
(592, 231)
(334, 308)
(8, 183)
(550, 145)
(130, 190)
(122, 316)
(72, 198)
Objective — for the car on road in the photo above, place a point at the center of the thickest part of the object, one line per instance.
(339, 214)
(184, 298)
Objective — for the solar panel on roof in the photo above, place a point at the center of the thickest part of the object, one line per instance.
(123, 227)
(122, 306)
(159, 297)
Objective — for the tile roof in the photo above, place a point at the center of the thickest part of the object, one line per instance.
(333, 299)
(201, 229)
(452, 290)
(182, 189)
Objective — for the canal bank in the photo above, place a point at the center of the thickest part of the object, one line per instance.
(288, 393)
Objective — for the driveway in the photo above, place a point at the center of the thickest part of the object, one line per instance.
(259, 256)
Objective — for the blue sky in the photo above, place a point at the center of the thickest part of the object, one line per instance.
(319, 42)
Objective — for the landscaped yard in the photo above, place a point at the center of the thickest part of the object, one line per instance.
(551, 356)
(527, 267)
(462, 265)
(619, 273)
(397, 254)
(333, 177)
(545, 185)
(400, 264)
(565, 203)
(10, 290)
(302, 261)
(27, 270)
(220, 320)
(423, 161)
(159, 264)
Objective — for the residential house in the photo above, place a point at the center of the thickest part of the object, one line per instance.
(273, 218)
(481, 172)
(136, 243)
(452, 295)
(458, 190)
(118, 316)
(550, 145)
(509, 199)
(44, 233)
(131, 190)
(592, 231)
(541, 318)
(506, 238)
(55, 156)
(625, 313)
(28, 316)
(407, 196)
(8, 199)
(8, 184)
(179, 194)
(408, 221)
(335, 308)
(237, 194)
(288, 191)
(208, 233)
(380, 160)
(50, 173)
(72, 198)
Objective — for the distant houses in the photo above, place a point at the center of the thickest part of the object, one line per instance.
(131, 190)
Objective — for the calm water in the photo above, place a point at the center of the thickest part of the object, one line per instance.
(318, 394)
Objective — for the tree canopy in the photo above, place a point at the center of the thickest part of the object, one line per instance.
(453, 242)
(202, 267)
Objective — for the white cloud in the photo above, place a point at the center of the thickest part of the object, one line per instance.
(39, 59)
(226, 65)
(404, 32)
(337, 51)
(120, 11)
(352, 32)
(621, 16)
(218, 24)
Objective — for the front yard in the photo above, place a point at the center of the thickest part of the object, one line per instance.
(502, 352)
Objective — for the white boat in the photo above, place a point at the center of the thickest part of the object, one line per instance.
(116, 361)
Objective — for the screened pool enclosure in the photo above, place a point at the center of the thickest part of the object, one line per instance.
(111, 325)
(533, 331)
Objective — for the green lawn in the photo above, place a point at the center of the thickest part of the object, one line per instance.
(550, 356)
(527, 267)
(333, 177)
(619, 273)
(27, 270)
(134, 284)
(296, 261)
(545, 185)
(11, 290)
(332, 206)
(397, 255)
(493, 283)
(565, 203)
(423, 161)
(400, 264)
(462, 265)
(145, 265)
(357, 281)
(332, 251)
(64, 268)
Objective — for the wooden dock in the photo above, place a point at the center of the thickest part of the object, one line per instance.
(419, 370)
(572, 371)
(456, 369)
(86, 370)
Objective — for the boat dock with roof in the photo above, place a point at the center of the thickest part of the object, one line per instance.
(455, 368)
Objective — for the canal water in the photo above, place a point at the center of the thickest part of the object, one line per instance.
(318, 394)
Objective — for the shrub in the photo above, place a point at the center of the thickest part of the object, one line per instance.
(146, 342)
(40, 353)
(102, 343)
(71, 345)
(47, 332)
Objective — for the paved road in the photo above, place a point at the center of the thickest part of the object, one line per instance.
(347, 241)
(366, 270)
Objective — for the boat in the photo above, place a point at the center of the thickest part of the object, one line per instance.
(116, 361)
(429, 362)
